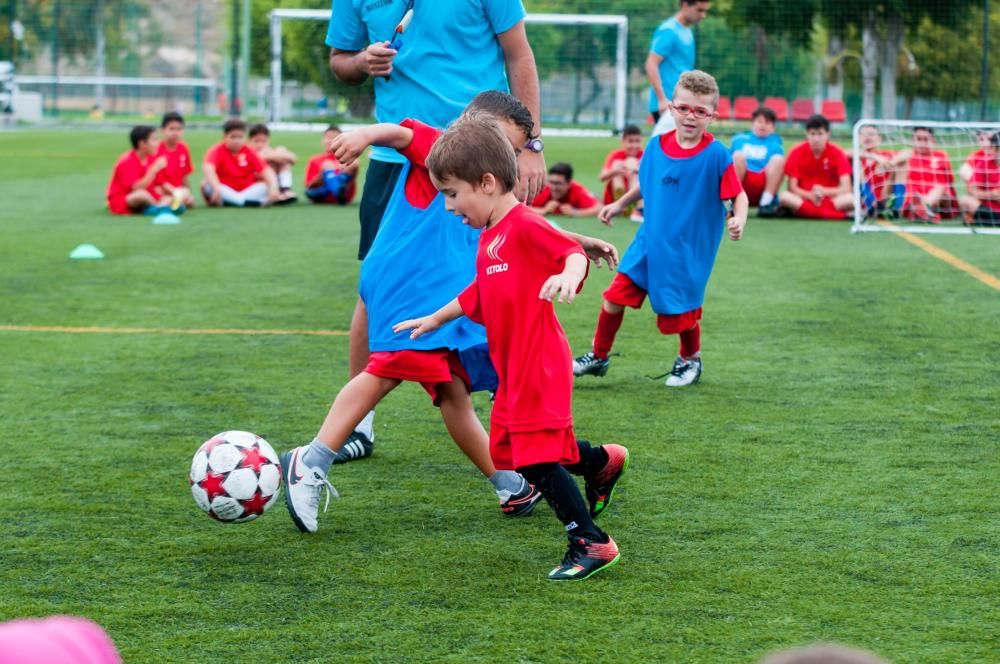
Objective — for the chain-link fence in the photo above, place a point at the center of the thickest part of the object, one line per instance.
(932, 59)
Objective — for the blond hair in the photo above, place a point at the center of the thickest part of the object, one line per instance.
(823, 654)
(700, 83)
(473, 146)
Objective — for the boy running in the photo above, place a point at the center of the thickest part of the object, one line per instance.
(521, 265)
(684, 178)
(327, 181)
(179, 166)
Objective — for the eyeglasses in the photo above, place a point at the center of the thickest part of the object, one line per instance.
(696, 111)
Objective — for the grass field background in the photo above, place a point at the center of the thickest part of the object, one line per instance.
(833, 477)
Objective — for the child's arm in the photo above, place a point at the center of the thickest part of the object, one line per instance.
(347, 147)
(597, 249)
(571, 211)
(609, 212)
(566, 283)
(146, 180)
(271, 179)
(741, 205)
(421, 326)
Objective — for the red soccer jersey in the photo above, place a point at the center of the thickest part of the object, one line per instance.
(613, 156)
(879, 180)
(179, 164)
(577, 196)
(237, 171)
(985, 174)
(810, 170)
(315, 166)
(129, 169)
(419, 189)
(929, 170)
(527, 345)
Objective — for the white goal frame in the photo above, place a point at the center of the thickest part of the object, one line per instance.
(863, 226)
(277, 16)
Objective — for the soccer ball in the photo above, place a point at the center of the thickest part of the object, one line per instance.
(235, 476)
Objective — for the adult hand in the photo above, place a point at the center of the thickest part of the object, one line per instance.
(376, 60)
(531, 175)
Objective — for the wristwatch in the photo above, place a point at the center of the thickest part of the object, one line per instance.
(535, 144)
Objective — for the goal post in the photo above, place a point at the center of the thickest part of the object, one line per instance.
(617, 70)
(915, 176)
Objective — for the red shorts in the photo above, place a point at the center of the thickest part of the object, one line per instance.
(625, 293)
(754, 183)
(825, 210)
(430, 368)
(511, 451)
(117, 205)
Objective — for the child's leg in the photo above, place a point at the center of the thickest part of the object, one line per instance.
(464, 426)
(563, 495)
(351, 405)
(255, 194)
(691, 342)
(608, 323)
(601, 468)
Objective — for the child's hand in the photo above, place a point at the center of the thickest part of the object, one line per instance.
(736, 226)
(420, 326)
(609, 212)
(347, 147)
(563, 284)
(159, 164)
(598, 250)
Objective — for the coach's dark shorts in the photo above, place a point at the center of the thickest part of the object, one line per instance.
(380, 180)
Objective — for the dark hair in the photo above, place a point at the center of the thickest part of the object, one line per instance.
(692, 2)
(332, 127)
(234, 124)
(768, 114)
(503, 106)
(929, 130)
(259, 129)
(631, 130)
(139, 134)
(172, 116)
(563, 169)
(817, 122)
(995, 139)
(473, 146)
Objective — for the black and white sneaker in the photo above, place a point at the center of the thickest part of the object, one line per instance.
(587, 364)
(685, 372)
(358, 446)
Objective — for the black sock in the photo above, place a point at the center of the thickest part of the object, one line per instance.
(592, 460)
(563, 495)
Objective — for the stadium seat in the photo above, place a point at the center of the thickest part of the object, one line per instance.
(724, 109)
(780, 107)
(802, 108)
(744, 107)
(834, 111)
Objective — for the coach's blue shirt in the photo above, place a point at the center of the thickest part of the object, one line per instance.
(450, 54)
(757, 150)
(675, 44)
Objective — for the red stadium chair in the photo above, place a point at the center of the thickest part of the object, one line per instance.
(724, 109)
(802, 108)
(744, 107)
(780, 107)
(834, 111)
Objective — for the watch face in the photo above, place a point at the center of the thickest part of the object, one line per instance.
(535, 145)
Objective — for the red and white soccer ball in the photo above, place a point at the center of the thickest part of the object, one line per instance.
(235, 476)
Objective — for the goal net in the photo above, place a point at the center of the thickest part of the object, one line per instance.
(581, 59)
(926, 177)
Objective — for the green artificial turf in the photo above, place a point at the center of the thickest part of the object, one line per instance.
(833, 477)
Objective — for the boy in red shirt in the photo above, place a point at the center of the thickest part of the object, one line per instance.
(234, 174)
(521, 265)
(819, 176)
(179, 165)
(563, 196)
(327, 180)
(621, 167)
(930, 183)
(134, 187)
(981, 204)
(883, 188)
(278, 157)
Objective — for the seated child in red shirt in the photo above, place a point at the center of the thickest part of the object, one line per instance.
(621, 168)
(327, 181)
(134, 187)
(174, 177)
(819, 176)
(521, 265)
(563, 196)
(235, 175)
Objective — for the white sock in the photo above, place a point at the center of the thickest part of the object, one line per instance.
(285, 179)
(367, 426)
(766, 198)
(507, 483)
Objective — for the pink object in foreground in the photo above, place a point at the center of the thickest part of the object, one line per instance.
(62, 639)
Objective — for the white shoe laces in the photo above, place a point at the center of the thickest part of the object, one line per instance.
(320, 482)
